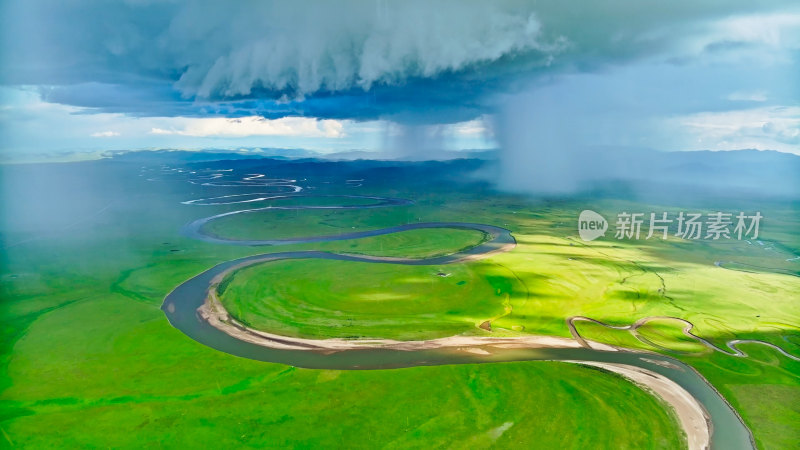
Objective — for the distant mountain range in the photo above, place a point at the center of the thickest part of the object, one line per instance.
(642, 172)
(288, 153)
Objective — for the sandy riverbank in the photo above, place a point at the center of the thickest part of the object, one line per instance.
(691, 415)
(693, 419)
(215, 314)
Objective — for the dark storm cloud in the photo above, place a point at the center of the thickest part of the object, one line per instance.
(416, 61)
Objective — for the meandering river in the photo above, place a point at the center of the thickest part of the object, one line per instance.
(182, 304)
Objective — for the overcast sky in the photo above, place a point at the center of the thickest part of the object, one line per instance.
(407, 75)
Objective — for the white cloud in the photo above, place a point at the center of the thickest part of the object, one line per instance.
(765, 38)
(766, 128)
(252, 126)
(775, 29)
(104, 134)
(28, 124)
(748, 96)
(476, 127)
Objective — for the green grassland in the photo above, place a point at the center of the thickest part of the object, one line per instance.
(554, 275)
(609, 280)
(324, 298)
(271, 224)
(135, 381)
(667, 334)
(91, 361)
(88, 358)
(415, 244)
